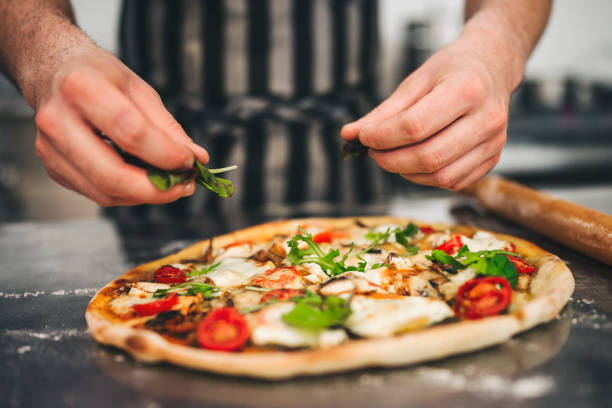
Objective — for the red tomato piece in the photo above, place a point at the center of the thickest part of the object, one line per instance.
(281, 295)
(511, 247)
(481, 297)
(521, 265)
(427, 230)
(223, 329)
(157, 306)
(170, 274)
(451, 246)
(329, 236)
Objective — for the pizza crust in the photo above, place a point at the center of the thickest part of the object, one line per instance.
(551, 288)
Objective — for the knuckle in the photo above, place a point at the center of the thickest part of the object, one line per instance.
(130, 126)
(414, 127)
(135, 85)
(497, 119)
(72, 83)
(45, 120)
(474, 89)
(429, 161)
(443, 178)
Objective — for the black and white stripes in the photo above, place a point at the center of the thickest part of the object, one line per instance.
(271, 81)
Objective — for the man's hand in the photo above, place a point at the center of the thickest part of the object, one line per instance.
(97, 92)
(445, 125)
(79, 90)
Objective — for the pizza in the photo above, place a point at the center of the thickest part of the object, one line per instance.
(322, 295)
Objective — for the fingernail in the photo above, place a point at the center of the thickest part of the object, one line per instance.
(189, 189)
(190, 161)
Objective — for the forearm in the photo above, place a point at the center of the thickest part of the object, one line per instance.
(509, 29)
(35, 37)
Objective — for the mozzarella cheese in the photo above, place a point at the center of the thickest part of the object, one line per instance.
(123, 304)
(483, 241)
(268, 328)
(234, 272)
(381, 317)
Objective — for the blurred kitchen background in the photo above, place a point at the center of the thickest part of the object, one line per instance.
(560, 132)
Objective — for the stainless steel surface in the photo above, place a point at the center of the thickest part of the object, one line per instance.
(51, 270)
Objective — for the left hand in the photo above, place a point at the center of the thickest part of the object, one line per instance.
(445, 125)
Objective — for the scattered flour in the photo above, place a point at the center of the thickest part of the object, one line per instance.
(54, 335)
(76, 292)
(13, 295)
(61, 292)
(492, 386)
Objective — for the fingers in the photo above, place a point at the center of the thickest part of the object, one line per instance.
(108, 110)
(151, 105)
(443, 148)
(407, 94)
(436, 110)
(76, 158)
(466, 169)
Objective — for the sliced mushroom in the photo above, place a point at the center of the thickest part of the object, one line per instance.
(337, 286)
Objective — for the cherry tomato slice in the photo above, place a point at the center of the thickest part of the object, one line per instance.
(169, 274)
(328, 236)
(481, 297)
(223, 329)
(157, 306)
(427, 230)
(521, 265)
(451, 246)
(281, 295)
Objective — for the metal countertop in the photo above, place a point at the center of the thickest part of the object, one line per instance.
(51, 270)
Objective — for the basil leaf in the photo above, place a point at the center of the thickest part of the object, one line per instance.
(312, 313)
(410, 230)
(500, 265)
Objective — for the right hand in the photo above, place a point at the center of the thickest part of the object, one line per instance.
(96, 92)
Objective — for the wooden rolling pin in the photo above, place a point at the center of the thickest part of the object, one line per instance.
(578, 227)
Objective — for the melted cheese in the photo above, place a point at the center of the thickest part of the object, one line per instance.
(234, 272)
(123, 304)
(483, 241)
(268, 328)
(381, 317)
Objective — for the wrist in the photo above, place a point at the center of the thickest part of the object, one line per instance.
(499, 45)
(47, 43)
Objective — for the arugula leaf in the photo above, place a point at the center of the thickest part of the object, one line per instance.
(314, 254)
(447, 262)
(192, 290)
(165, 179)
(311, 312)
(400, 237)
(490, 263)
(203, 270)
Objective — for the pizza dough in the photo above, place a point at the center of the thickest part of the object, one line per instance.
(548, 291)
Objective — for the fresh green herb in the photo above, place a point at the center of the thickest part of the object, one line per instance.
(491, 263)
(257, 289)
(312, 312)
(164, 179)
(314, 254)
(353, 148)
(447, 262)
(401, 237)
(379, 265)
(188, 289)
(203, 270)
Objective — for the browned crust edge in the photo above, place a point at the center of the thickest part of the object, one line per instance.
(551, 288)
